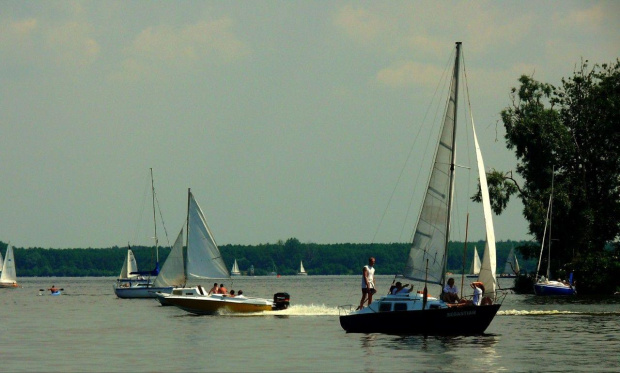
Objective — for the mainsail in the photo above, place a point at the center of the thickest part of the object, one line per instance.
(129, 266)
(432, 231)
(172, 273)
(203, 256)
(9, 275)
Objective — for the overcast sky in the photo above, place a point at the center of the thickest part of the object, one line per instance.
(286, 118)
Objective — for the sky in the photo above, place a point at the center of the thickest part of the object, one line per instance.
(285, 118)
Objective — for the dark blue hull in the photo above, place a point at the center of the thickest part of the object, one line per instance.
(543, 289)
(465, 320)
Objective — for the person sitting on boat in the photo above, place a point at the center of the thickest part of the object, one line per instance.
(450, 292)
(222, 290)
(478, 291)
(402, 289)
(215, 289)
(368, 284)
(240, 294)
(231, 294)
(53, 289)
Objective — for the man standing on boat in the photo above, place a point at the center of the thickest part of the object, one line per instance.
(368, 282)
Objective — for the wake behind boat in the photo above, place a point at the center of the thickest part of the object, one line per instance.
(415, 313)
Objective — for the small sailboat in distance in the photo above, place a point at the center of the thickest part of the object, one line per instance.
(8, 278)
(235, 269)
(511, 268)
(302, 270)
(475, 265)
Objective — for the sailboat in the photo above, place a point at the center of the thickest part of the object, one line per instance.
(418, 312)
(8, 278)
(134, 283)
(1, 262)
(302, 270)
(475, 265)
(543, 285)
(235, 269)
(203, 262)
(511, 268)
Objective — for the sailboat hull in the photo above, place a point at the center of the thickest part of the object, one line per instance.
(465, 320)
(140, 292)
(8, 285)
(553, 289)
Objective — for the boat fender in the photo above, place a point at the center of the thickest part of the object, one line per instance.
(281, 301)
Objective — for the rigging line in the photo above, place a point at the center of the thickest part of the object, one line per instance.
(147, 186)
(162, 220)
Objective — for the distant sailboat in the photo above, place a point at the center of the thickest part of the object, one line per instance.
(140, 284)
(302, 270)
(474, 270)
(8, 278)
(235, 269)
(544, 285)
(1, 262)
(511, 268)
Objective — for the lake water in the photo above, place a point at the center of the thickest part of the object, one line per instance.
(88, 329)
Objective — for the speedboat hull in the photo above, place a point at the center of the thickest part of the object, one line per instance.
(462, 320)
(553, 288)
(211, 305)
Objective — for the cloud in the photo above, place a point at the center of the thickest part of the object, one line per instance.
(71, 44)
(407, 73)
(361, 24)
(164, 48)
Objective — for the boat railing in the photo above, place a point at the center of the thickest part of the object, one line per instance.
(345, 309)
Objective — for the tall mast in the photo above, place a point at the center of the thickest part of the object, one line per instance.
(550, 219)
(154, 219)
(452, 161)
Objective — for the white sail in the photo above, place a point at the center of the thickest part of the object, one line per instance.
(1, 262)
(235, 269)
(301, 267)
(129, 265)
(173, 271)
(487, 269)
(512, 265)
(203, 256)
(9, 274)
(431, 234)
(475, 264)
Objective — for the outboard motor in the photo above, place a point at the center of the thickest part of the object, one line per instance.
(280, 301)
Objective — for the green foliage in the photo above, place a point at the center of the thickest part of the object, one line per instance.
(570, 132)
(319, 259)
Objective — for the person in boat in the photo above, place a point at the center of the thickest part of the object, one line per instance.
(222, 290)
(53, 289)
(215, 289)
(232, 293)
(399, 288)
(240, 294)
(368, 282)
(478, 291)
(450, 292)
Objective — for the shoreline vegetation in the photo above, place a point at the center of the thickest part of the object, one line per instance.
(318, 259)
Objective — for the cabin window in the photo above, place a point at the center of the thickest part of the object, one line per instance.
(177, 292)
(400, 306)
(385, 307)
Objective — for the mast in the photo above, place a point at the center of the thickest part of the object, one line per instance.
(189, 196)
(550, 220)
(154, 219)
(453, 159)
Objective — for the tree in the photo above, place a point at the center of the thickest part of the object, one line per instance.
(572, 132)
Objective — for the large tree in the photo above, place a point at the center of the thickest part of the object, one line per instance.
(573, 133)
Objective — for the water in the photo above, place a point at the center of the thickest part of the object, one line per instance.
(87, 329)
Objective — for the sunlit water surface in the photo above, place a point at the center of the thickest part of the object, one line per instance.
(88, 329)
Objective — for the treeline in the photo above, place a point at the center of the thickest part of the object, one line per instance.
(284, 257)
